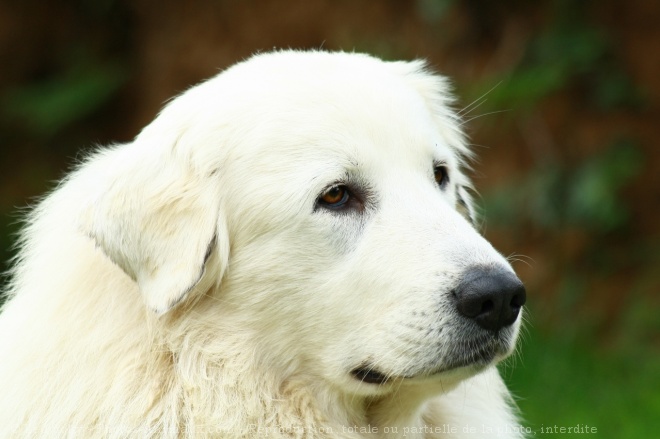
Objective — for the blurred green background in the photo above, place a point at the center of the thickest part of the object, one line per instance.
(562, 103)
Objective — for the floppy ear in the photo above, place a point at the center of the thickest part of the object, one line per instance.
(159, 220)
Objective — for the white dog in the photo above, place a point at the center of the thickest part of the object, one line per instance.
(286, 251)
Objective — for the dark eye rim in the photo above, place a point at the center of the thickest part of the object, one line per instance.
(441, 169)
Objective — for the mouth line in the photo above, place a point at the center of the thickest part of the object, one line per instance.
(367, 374)
(470, 357)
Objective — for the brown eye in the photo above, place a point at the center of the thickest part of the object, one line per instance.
(335, 197)
(441, 177)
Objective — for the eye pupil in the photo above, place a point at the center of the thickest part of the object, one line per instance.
(441, 176)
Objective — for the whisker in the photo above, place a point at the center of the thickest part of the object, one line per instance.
(477, 102)
(527, 260)
(474, 105)
(466, 121)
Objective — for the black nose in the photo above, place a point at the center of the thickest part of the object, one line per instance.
(492, 298)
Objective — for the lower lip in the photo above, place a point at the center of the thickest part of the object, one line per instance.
(477, 361)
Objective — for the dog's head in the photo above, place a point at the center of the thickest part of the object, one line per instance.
(320, 198)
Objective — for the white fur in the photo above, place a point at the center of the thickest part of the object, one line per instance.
(188, 285)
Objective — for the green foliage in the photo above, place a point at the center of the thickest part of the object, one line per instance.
(587, 196)
(594, 197)
(564, 55)
(49, 106)
(433, 10)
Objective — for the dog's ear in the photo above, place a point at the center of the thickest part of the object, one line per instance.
(435, 90)
(159, 220)
(465, 204)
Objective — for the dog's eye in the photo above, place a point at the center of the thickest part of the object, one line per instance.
(441, 176)
(335, 197)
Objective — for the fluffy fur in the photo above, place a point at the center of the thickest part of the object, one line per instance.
(192, 283)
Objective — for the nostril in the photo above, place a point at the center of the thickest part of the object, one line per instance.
(519, 297)
(517, 301)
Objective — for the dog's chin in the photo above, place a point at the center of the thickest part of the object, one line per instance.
(477, 357)
(470, 358)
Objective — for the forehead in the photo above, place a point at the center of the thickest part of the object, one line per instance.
(312, 147)
(301, 118)
(346, 117)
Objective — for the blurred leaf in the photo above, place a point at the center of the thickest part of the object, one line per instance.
(544, 198)
(48, 107)
(576, 49)
(612, 88)
(556, 59)
(594, 198)
(525, 87)
(587, 196)
(433, 10)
